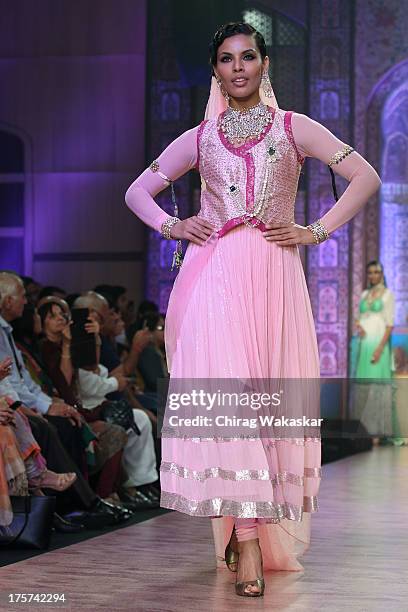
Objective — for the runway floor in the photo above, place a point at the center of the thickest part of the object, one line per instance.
(358, 560)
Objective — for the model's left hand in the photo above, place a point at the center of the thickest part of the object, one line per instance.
(376, 355)
(288, 234)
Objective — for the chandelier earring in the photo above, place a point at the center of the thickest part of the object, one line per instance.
(222, 90)
(266, 85)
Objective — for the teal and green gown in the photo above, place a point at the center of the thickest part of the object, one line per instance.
(375, 317)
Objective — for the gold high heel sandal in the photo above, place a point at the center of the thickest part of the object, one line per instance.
(231, 556)
(258, 582)
(241, 586)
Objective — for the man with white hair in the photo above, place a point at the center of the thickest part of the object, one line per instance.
(139, 457)
(12, 301)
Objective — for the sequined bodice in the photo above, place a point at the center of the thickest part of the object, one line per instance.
(255, 183)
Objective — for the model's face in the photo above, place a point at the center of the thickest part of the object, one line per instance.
(374, 275)
(240, 66)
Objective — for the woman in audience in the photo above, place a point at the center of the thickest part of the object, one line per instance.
(26, 332)
(55, 349)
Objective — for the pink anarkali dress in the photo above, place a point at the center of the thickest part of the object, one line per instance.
(240, 309)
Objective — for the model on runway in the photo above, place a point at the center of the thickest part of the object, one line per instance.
(239, 307)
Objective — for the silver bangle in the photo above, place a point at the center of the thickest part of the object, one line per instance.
(166, 227)
(319, 232)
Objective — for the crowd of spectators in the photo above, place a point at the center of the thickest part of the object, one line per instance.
(78, 413)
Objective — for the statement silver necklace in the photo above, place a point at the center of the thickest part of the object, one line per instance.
(239, 125)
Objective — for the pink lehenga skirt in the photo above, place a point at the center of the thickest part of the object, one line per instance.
(240, 310)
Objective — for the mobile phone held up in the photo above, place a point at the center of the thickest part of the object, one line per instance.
(83, 344)
(151, 320)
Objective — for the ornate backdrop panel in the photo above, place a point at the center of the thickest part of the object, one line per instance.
(330, 89)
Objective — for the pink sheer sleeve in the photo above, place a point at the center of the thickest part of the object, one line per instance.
(177, 159)
(314, 140)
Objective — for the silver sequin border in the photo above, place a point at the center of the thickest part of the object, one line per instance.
(218, 506)
(240, 475)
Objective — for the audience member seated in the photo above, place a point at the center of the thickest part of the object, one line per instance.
(145, 307)
(55, 350)
(152, 363)
(49, 394)
(22, 467)
(65, 418)
(118, 297)
(59, 434)
(139, 458)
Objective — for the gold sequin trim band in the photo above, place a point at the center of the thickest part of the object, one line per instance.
(218, 506)
(340, 155)
(239, 475)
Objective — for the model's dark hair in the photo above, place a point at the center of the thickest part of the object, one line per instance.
(232, 29)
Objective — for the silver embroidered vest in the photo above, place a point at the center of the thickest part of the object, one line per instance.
(255, 183)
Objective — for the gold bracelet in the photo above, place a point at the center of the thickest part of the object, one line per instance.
(166, 227)
(319, 232)
(340, 155)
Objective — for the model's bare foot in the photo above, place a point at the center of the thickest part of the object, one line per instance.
(249, 564)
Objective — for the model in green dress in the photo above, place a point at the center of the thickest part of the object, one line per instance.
(374, 327)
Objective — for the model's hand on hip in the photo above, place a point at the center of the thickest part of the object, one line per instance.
(288, 234)
(194, 229)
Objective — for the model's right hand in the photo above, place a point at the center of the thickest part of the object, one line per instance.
(194, 228)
